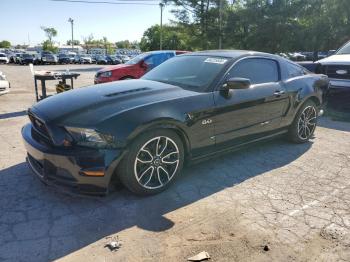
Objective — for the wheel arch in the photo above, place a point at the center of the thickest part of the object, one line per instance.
(315, 99)
(170, 124)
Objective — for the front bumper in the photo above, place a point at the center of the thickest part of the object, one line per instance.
(63, 167)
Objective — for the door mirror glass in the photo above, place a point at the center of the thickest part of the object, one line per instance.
(237, 83)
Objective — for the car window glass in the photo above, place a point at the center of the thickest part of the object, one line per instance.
(294, 70)
(257, 70)
(193, 72)
(150, 61)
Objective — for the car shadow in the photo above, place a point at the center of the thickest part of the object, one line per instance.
(341, 124)
(13, 114)
(70, 223)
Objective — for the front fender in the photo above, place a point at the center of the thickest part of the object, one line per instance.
(185, 115)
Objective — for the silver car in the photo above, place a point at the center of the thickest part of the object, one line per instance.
(4, 84)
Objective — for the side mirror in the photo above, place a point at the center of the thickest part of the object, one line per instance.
(236, 83)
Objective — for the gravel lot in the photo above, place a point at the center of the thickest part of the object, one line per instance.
(271, 202)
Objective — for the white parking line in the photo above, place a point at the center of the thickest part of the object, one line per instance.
(314, 203)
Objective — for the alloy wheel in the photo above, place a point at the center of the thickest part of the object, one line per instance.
(307, 122)
(156, 162)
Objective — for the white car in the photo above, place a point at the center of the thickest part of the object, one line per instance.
(85, 59)
(125, 58)
(4, 84)
(337, 68)
(4, 58)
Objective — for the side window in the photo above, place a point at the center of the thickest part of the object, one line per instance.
(257, 70)
(149, 61)
(294, 70)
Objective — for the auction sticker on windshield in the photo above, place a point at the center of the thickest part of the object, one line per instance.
(215, 60)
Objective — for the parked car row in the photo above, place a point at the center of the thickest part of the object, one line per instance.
(63, 58)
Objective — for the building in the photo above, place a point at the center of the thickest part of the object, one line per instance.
(68, 48)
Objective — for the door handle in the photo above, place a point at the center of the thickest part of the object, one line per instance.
(279, 93)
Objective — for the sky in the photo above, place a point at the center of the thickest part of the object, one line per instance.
(20, 20)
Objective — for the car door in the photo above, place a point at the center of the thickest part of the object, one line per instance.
(245, 114)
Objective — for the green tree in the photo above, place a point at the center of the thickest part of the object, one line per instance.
(173, 38)
(263, 25)
(123, 44)
(47, 46)
(5, 44)
(50, 33)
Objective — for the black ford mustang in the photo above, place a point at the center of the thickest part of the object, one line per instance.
(191, 107)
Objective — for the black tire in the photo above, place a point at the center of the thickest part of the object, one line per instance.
(132, 171)
(301, 131)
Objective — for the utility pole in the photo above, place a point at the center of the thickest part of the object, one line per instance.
(71, 21)
(161, 26)
(220, 24)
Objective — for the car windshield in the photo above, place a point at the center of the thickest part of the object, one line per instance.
(136, 59)
(27, 56)
(2, 55)
(189, 72)
(345, 50)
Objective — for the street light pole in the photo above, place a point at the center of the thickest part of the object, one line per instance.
(161, 26)
(71, 21)
(220, 24)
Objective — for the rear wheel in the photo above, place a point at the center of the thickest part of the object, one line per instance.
(304, 124)
(152, 163)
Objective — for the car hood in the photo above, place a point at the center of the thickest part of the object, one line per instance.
(336, 59)
(111, 68)
(88, 106)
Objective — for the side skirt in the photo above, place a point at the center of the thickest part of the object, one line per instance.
(217, 153)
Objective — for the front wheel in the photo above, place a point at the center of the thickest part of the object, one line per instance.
(304, 124)
(152, 163)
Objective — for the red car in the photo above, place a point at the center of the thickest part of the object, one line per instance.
(135, 68)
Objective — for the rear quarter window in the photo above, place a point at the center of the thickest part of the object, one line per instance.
(294, 70)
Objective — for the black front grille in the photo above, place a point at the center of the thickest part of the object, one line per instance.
(337, 71)
(39, 126)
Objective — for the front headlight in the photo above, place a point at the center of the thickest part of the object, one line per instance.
(91, 138)
(106, 74)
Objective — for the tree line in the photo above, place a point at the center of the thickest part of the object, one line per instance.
(263, 25)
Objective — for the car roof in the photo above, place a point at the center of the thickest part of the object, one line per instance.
(161, 51)
(232, 53)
